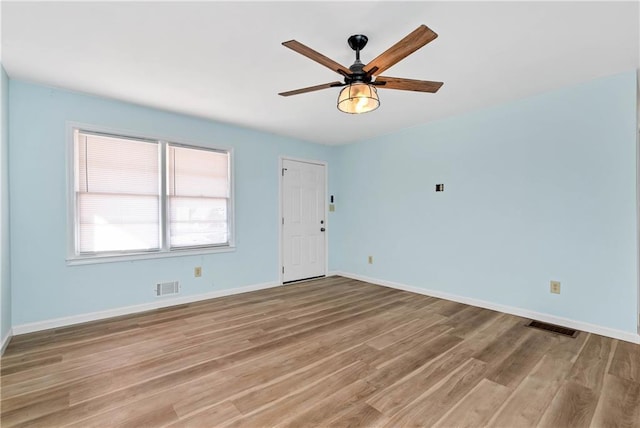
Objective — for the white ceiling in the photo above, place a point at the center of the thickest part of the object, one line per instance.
(224, 60)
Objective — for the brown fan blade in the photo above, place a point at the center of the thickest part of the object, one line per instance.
(405, 47)
(407, 84)
(317, 57)
(311, 89)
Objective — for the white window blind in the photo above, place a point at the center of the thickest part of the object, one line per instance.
(135, 197)
(198, 189)
(117, 189)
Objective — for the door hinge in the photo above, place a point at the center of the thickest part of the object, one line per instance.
(282, 220)
(282, 269)
(283, 170)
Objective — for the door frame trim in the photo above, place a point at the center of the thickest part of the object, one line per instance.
(325, 164)
(638, 217)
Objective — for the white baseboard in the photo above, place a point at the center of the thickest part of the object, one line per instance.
(94, 316)
(163, 303)
(5, 341)
(525, 313)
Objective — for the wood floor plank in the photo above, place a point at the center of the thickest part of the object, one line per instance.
(567, 348)
(329, 322)
(257, 398)
(138, 415)
(526, 405)
(411, 361)
(433, 404)
(517, 365)
(137, 373)
(68, 369)
(335, 403)
(469, 325)
(477, 407)
(403, 390)
(357, 415)
(295, 403)
(590, 366)
(332, 352)
(619, 405)
(249, 376)
(626, 362)
(296, 355)
(573, 406)
(448, 308)
(104, 403)
(501, 346)
(211, 416)
(29, 411)
(33, 365)
(403, 331)
(411, 343)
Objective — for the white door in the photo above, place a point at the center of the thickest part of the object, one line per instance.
(303, 222)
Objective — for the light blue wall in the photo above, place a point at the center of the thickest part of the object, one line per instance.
(5, 260)
(536, 190)
(44, 287)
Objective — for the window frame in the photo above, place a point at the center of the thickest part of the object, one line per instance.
(75, 258)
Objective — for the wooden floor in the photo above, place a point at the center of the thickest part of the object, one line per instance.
(330, 352)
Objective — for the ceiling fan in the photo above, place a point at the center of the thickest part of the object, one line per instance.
(359, 94)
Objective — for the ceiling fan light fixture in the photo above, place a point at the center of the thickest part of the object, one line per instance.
(357, 98)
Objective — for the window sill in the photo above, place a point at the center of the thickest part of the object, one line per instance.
(89, 260)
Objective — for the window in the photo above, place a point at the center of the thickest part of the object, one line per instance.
(198, 197)
(134, 196)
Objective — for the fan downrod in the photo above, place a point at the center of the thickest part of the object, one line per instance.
(357, 43)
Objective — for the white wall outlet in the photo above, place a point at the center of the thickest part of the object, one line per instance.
(370, 260)
(197, 271)
(554, 287)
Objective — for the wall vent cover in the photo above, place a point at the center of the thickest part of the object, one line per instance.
(167, 288)
(564, 331)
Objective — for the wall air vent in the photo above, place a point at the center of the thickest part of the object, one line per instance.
(564, 331)
(167, 288)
